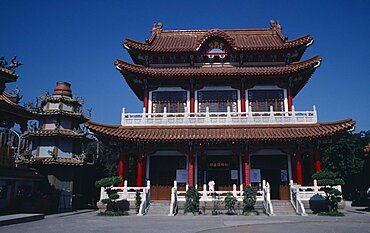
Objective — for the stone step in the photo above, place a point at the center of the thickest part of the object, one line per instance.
(159, 208)
(282, 207)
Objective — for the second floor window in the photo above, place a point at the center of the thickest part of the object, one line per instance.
(173, 101)
(217, 101)
(261, 100)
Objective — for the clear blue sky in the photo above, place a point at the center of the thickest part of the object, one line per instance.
(78, 42)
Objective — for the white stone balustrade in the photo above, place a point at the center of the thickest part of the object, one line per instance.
(300, 193)
(219, 118)
(129, 193)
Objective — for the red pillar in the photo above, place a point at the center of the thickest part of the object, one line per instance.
(121, 164)
(242, 96)
(192, 96)
(299, 167)
(145, 96)
(317, 160)
(290, 98)
(294, 167)
(139, 175)
(191, 167)
(246, 168)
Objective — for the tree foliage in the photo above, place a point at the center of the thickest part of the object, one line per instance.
(106, 160)
(345, 157)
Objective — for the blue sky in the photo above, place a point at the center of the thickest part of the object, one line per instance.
(78, 42)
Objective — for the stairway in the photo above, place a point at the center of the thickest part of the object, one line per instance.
(282, 207)
(159, 208)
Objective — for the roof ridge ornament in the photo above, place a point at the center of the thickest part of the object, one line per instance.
(157, 28)
(216, 33)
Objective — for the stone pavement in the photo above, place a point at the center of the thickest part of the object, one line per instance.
(89, 222)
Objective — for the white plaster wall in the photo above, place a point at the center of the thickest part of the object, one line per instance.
(46, 145)
(52, 106)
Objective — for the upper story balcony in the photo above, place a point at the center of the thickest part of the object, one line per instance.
(219, 118)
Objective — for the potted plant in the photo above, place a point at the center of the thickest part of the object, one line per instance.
(249, 200)
(230, 202)
(192, 201)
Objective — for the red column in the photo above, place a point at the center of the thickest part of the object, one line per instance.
(192, 96)
(312, 163)
(121, 164)
(290, 98)
(139, 175)
(317, 160)
(242, 97)
(299, 167)
(191, 167)
(145, 96)
(246, 168)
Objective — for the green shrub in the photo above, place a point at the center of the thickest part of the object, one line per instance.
(332, 195)
(113, 213)
(192, 201)
(230, 202)
(108, 183)
(249, 199)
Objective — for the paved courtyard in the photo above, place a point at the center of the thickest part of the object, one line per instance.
(356, 222)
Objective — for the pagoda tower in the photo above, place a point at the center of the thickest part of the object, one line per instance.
(57, 148)
(59, 135)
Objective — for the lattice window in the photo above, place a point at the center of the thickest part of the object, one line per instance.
(174, 101)
(261, 100)
(217, 101)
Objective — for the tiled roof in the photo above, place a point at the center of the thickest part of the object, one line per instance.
(240, 40)
(51, 160)
(8, 75)
(9, 106)
(222, 133)
(64, 113)
(42, 133)
(189, 72)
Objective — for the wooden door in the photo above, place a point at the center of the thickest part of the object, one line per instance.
(162, 174)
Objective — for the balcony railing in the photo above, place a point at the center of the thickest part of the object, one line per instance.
(219, 118)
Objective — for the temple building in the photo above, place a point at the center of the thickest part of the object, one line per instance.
(14, 181)
(57, 147)
(218, 106)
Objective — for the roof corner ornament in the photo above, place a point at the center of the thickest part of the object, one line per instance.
(275, 26)
(157, 28)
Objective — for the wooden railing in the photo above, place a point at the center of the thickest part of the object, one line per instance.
(219, 118)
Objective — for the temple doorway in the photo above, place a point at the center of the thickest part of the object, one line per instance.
(273, 169)
(162, 173)
(222, 169)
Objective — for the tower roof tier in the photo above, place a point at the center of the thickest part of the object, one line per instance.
(54, 133)
(53, 112)
(298, 73)
(7, 75)
(53, 161)
(217, 71)
(266, 39)
(258, 133)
